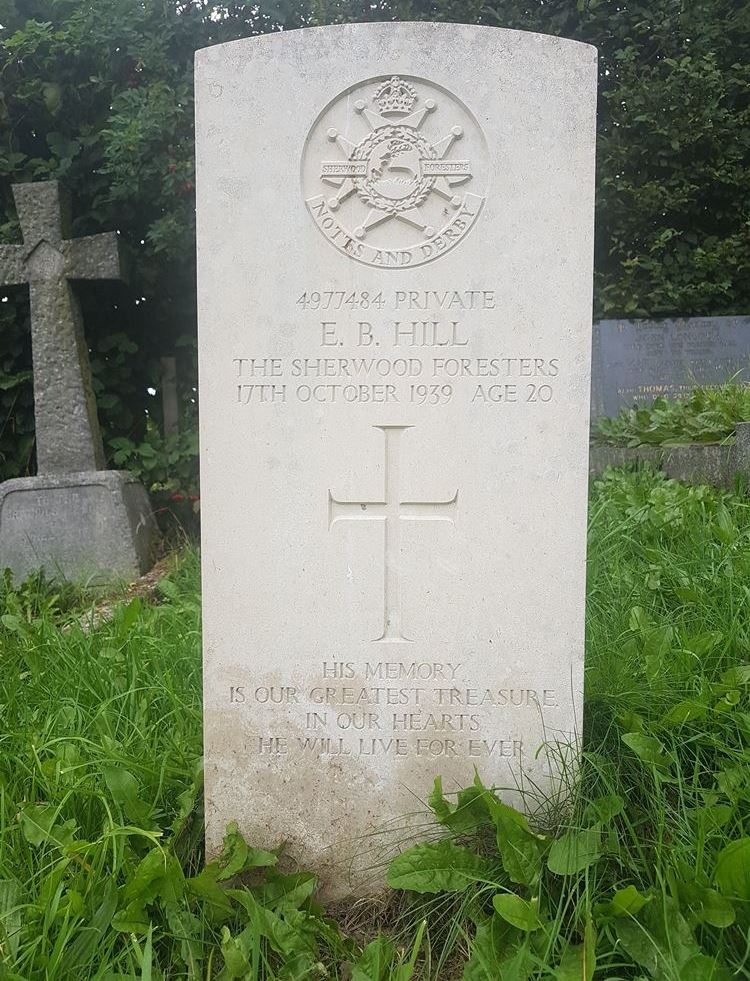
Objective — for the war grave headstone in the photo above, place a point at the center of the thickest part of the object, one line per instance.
(636, 361)
(74, 519)
(395, 264)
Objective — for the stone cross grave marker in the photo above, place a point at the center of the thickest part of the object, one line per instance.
(395, 259)
(74, 518)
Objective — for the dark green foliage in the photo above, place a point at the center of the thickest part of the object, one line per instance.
(99, 95)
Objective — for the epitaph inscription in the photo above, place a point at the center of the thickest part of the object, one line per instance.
(394, 424)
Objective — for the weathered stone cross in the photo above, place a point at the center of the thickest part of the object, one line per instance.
(392, 510)
(67, 429)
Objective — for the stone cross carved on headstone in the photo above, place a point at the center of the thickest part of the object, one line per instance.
(67, 429)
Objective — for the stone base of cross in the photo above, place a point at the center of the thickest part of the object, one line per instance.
(91, 528)
(74, 519)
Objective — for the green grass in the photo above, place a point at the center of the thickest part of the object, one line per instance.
(644, 874)
(708, 415)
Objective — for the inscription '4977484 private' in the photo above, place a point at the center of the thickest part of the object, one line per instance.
(394, 422)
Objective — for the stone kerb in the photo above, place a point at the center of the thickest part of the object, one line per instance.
(706, 463)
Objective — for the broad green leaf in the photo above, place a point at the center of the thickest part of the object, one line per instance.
(701, 967)
(602, 810)
(131, 919)
(159, 874)
(574, 851)
(639, 620)
(715, 909)
(235, 951)
(237, 856)
(287, 890)
(205, 887)
(294, 935)
(188, 799)
(11, 381)
(169, 589)
(737, 676)
(687, 594)
(647, 748)
(437, 867)
(52, 95)
(657, 643)
(520, 849)
(494, 936)
(723, 526)
(439, 806)
(374, 963)
(11, 908)
(129, 616)
(687, 711)
(702, 644)
(516, 965)
(189, 929)
(732, 872)
(733, 780)
(497, 953)
(41, 824)
(636, 941)
(627, 902)
(632, 721)
(713, 817)
(468, 813)
(124, 789)
(13, 623)
(578, 963)
(571, 966)
(659, 939)
(516, 911)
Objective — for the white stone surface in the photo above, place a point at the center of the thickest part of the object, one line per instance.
(395, 226)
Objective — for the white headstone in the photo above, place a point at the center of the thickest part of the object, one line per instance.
(395, 227)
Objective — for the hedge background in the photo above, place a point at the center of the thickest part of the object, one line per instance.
(98, 94)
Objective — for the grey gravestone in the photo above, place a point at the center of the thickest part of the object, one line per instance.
(74, 519)
(635, 361)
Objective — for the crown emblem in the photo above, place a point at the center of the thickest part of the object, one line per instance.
(395, 95)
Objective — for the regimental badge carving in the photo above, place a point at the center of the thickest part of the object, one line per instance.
(394, 171)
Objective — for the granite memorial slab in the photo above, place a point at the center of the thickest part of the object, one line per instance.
(74, 519)
(395, 271)
(636, 361)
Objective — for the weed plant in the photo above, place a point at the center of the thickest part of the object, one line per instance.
(708, 415)
(641, 872)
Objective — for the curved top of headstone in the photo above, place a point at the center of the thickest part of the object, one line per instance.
(425, 31)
